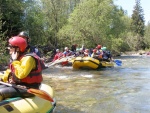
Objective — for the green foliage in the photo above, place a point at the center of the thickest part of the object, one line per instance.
(33, 23)
(56, 13)
(4, 59)
(85, 23)
(60, 23)
(147, 36)
(134, 41)
(137, 25)
(95, 22)
(13, 11)
(45, 18)
(3, 55)
(116, 45)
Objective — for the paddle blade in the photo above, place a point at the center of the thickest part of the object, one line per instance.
(40, 93)
(118, 62)
(64, 63)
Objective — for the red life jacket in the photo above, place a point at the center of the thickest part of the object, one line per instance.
(57, 56)
(35, 76)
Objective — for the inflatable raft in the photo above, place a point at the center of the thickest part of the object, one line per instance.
(90, 63)
(34, 104)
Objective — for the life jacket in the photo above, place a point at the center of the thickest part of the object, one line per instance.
(57, 56)
(99, 52)
(35, 76)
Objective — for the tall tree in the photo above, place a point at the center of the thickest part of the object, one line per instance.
(137, 24)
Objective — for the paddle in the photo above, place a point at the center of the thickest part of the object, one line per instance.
(36, 92)
(64, 63)
(118, 62)
(60, 60)
(55, 62)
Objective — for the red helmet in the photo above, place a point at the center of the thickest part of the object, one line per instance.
(94, 50)
(18, 42)
(99, 46)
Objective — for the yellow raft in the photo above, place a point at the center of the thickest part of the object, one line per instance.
(29, 105)
(90, 63)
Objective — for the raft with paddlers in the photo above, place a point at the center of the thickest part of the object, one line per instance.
(90, 63)
(42, 102)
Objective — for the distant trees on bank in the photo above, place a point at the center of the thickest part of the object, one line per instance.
(59, 23)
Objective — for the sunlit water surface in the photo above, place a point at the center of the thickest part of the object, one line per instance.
(122, 89)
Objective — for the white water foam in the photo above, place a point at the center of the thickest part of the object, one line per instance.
(87, 76)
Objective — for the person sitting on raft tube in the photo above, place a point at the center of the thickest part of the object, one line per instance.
(58, 55)
(94, 54)
(99, 52)
(87, 53)
(107, 56)
(24, 71)
(67, 52)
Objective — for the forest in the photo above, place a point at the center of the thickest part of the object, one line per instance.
(55, 24)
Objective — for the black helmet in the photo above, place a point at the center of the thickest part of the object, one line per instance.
(24, 34)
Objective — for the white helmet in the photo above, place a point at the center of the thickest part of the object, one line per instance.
(66, 48)
(57, 50)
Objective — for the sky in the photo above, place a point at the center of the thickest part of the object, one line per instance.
(128, 5)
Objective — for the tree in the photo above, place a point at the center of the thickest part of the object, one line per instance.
(55, 13)
(96, 21)
(138, 24)
(3, 55)
(147, 36)
(2, 35)
(13, 11)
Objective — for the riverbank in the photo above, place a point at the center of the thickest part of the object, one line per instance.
(135, 53)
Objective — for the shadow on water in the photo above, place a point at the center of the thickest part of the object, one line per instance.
(123, 89)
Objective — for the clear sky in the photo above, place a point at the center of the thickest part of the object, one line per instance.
(128, 5)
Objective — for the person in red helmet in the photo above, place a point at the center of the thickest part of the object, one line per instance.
(25, 70)
(99, 46)
(96, 55)
(99, 51)
(87, 53)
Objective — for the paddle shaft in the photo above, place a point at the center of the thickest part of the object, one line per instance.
(60, 60)
(11, 85)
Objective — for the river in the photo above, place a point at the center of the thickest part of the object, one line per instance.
(121, 89)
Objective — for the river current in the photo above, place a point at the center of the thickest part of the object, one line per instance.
(121, 89)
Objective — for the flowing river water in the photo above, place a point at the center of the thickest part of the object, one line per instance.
(121, 89)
